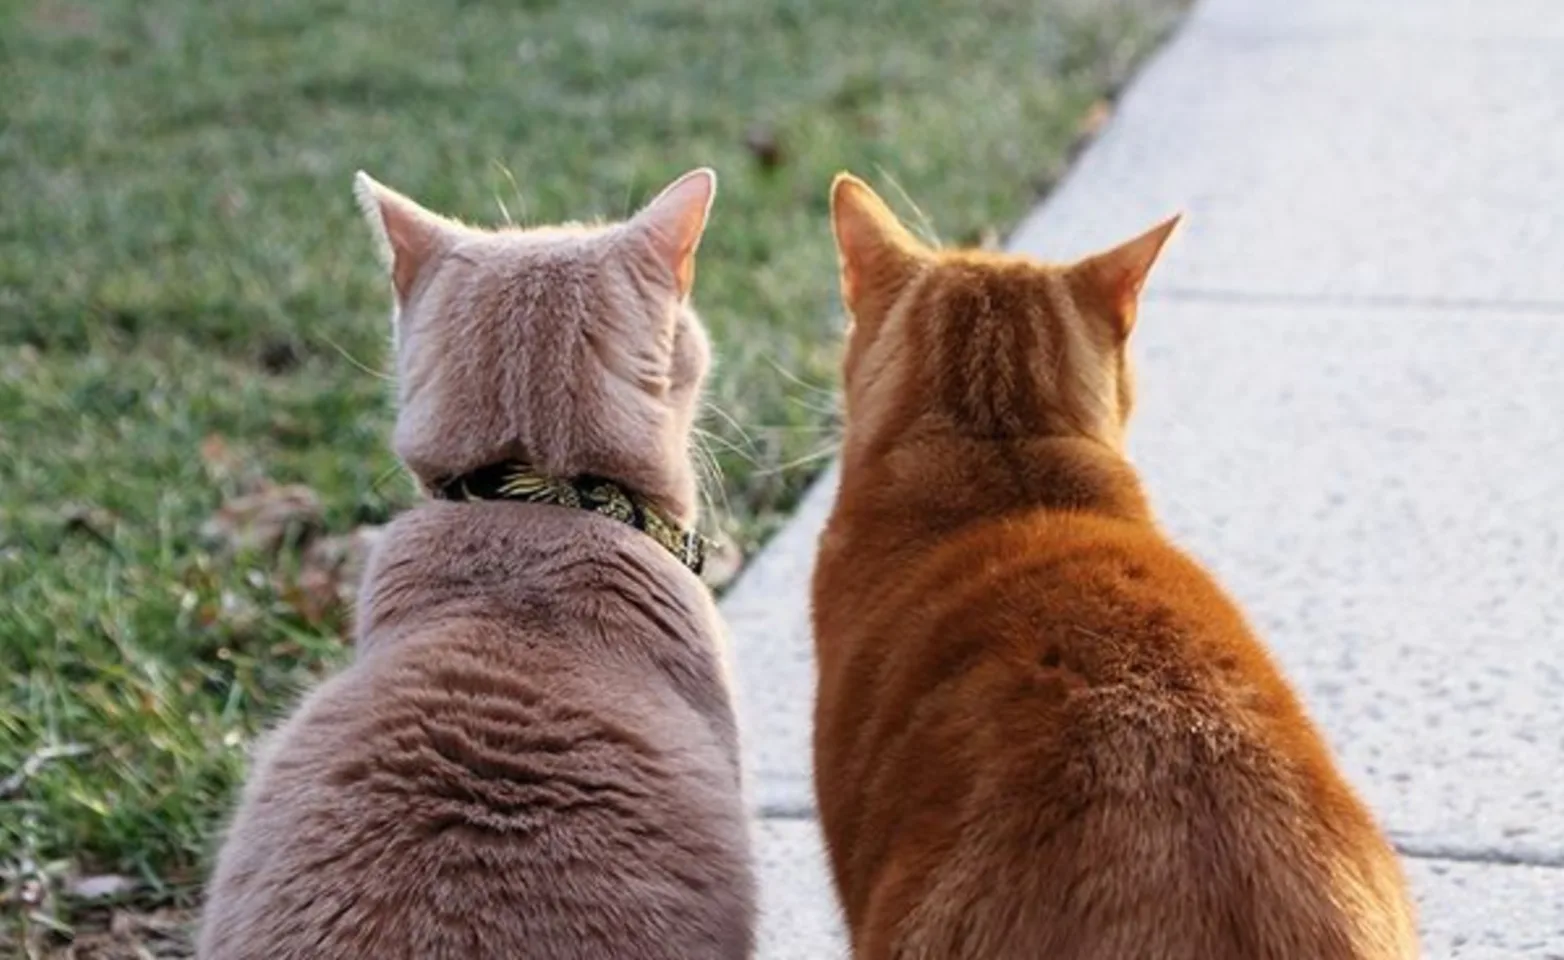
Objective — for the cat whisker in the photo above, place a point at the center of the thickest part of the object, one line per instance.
(827, 412)
(386, 474)
(925, 225)
(515, 189)
(726, 444)
(806, 459)
(703, 458)
(712, 407)
(833, 397)
(770, 428)
(709, 477)
(828, 392)
(363, 367)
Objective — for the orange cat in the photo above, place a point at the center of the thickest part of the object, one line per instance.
(1042, 730)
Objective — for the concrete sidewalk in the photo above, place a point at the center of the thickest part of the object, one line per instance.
(1351, 406)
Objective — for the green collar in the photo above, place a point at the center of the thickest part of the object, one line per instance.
(513, 480)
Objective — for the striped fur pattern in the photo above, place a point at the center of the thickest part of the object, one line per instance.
(1042, 730)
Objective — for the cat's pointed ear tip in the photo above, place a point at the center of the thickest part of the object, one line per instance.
(364, 185)
(707, 177)
(845, 181)
(850, 192)
(367, 192)
(371, 195)
(704, 178)
(698, 186)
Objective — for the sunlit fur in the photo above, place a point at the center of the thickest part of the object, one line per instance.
(533, 755)
(1042, 731)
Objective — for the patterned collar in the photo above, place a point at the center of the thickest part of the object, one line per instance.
(513, 480)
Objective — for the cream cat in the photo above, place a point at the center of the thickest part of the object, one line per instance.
(533, 754)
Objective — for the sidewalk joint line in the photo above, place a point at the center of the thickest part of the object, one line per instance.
(785, 811)
(1417, 850)
(1412, 850)
(1358, 301)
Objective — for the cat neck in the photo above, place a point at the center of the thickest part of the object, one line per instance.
(509, 563)
(941, 484)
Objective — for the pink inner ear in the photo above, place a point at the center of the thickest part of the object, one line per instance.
(855, 248)
(874, 248)
(854, 219)
(411, 246)
(412, 234)
(674, 222)
(1120, 273)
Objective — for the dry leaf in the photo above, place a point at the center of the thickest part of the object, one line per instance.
(267, 520)
(135, 935)
(100, 886)
(218, 458)
(329, 574)
(1095, 118)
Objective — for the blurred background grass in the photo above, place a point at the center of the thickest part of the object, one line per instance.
(189, 303)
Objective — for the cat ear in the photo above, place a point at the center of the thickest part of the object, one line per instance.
(876, 253)
(409, 236)
(672, 224)
(1115, 278)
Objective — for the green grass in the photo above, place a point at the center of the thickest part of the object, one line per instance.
(180, 259)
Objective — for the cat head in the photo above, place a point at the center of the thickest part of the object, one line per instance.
(989, 346)
(572, 348)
